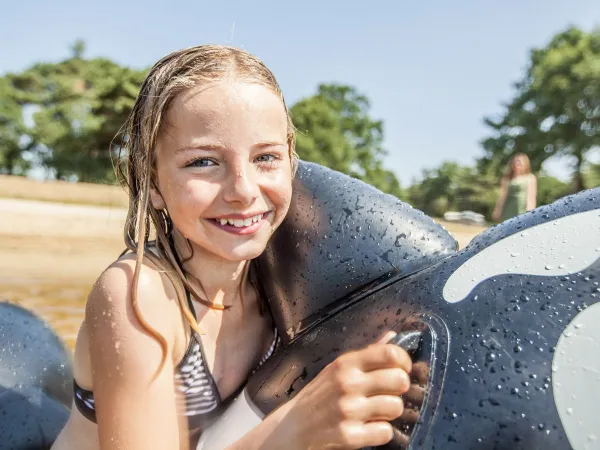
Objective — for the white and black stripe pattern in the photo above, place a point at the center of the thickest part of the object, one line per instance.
(197, 389)
(194, 381)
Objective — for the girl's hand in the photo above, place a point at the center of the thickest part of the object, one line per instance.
(350, 403)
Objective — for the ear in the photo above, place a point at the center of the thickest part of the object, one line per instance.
(156, 198)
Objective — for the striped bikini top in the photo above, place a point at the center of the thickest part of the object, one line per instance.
(201, 400)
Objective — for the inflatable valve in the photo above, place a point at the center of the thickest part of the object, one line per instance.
(408, 340)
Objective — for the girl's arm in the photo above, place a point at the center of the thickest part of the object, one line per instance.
(532, 193)
(501, 199)
(134, 411)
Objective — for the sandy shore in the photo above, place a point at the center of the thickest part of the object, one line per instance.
(51, 253)
(52, 242)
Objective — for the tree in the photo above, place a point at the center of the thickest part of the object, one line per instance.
(556, 110)
(335, 130)
(79, 106)
(13, 140)
(550, 189)
(592, 175)
(453, 187)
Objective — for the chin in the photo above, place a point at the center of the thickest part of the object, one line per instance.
(244, 252)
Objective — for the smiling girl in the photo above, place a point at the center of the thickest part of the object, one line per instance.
(174, 327)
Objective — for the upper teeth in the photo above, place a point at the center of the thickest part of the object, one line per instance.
(241, 222)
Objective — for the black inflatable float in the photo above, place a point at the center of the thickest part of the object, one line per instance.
(35, 381)
(507, 328)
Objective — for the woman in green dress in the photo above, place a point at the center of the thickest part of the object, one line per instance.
(518, 190)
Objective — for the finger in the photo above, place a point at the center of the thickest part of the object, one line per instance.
(386, 337)
(382, 407)
(370, 434)
(420, 372)
(386, 382)
(400, 439)
(381, 356)
(415, 395)
(408, 418)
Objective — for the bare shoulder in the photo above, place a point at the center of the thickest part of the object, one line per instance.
(115, 329)
(112, 292)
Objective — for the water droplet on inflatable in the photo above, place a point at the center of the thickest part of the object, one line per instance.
(549, 267)
(568, 333)
(514, 255)
(592, 437)
(569, 411)
(578, 325)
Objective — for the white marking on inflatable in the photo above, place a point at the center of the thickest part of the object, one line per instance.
(237, 420)
(560, 247)
(576, 379)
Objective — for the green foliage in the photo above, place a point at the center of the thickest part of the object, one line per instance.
(79, 107)
(13, 144)
(453, 187)
(592, 175)
(551, 189)
(335, 130)
(556, 109)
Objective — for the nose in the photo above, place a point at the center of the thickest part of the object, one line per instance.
(242, 185)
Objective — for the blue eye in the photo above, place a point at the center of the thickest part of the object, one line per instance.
(201, 162)
(266, 158)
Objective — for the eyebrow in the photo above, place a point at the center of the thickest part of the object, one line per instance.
(213, 146)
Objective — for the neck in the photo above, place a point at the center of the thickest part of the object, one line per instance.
(219, 278)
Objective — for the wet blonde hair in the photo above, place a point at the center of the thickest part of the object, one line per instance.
(172, 75)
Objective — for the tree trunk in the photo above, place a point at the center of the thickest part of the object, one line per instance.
(578, 183)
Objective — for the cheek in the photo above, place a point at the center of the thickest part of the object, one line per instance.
(189, 198)
(280, 194)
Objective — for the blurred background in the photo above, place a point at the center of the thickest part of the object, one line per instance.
(426, 101)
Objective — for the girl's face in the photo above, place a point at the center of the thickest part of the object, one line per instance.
(223, 167)
(518, 165)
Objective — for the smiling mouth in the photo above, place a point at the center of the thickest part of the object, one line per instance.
(241, 223)
(236, 225)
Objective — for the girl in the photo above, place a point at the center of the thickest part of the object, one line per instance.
(174, 327)
(518, 190)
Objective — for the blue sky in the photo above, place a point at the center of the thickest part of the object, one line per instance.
(432, 70)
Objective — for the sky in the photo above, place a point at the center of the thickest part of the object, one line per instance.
(432, 70)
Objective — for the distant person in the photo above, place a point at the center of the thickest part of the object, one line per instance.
(175, 326)
(518, 189)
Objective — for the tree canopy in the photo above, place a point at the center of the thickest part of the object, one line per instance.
(334, 129)
(556, 108)
(64, 117)
(77, 107)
